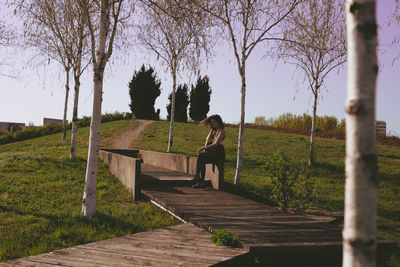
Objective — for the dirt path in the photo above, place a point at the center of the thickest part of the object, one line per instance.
(126, 138)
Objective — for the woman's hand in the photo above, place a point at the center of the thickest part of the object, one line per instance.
(201, 149)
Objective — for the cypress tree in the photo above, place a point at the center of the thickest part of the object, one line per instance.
(181, 103)
(144, 88)
(200, 99)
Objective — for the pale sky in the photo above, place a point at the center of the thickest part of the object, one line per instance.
(272, 89)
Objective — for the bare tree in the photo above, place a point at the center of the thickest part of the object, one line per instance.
(176, 34)
(79, 54)
(49, 36)
(314, 41)
(103, 18)
(395, 19)
(58, 29)
(359, 233)
(247, 23)
(7, 37)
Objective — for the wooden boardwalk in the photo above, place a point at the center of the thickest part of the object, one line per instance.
(181, 245)
(260, 227)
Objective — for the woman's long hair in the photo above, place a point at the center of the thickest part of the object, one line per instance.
(216, 117)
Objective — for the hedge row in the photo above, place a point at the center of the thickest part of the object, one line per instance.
(37, 131)
(339, 133)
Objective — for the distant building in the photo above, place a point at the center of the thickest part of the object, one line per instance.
(380, 127)
(47, 121)
(11, 126)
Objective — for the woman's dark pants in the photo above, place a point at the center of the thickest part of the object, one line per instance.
(202, 160)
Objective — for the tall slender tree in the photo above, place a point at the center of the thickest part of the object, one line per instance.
(102, 18)
(314, 40)
(144, 88)
(200, 99)
(181, 104)
(58, 28)
(247, 23)
(45, 31)
(359, 233)
(80, 61)
(175, 32)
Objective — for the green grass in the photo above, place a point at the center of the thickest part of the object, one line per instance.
(259, 145)
(41, 191)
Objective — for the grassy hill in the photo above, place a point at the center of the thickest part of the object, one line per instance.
(41, 191)
(260, 145)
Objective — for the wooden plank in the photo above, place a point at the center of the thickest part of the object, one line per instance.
(138, 259)
(23, 262)
(161, 253)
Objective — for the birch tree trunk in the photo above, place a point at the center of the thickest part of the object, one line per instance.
(64, 125)
(89, 194)
(77, 75)
(239, 160)
(72, 154)
(172, 118)
(359, 233)
(314, 117)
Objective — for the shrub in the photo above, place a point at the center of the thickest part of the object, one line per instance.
(291, 187)
(223, 237)
(260, 120)
(302, 122)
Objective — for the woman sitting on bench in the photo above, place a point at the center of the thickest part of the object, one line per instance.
(213, 152)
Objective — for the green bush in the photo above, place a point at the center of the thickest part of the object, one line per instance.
(260, 120)
(223, 237)
(300, 122)
(291, 188)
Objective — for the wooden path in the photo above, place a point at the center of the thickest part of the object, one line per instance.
(260, 227)
(181, 245)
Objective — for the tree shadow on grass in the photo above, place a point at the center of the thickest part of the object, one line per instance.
(100, 219)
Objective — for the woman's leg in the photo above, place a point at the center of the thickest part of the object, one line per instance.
(202, 160)
(201, 165)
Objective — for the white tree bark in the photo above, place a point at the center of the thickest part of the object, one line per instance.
(77, 75)
(74, 133)
(239, 160)
(172, 118)
(99, 59)
(359, 233)
(314, 117)
(89, 195)
(64, 125)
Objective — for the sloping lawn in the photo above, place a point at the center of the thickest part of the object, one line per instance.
(41, 191)
(260, 145)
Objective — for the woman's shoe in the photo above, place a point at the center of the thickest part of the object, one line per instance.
(195, 179)
(199, 184)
